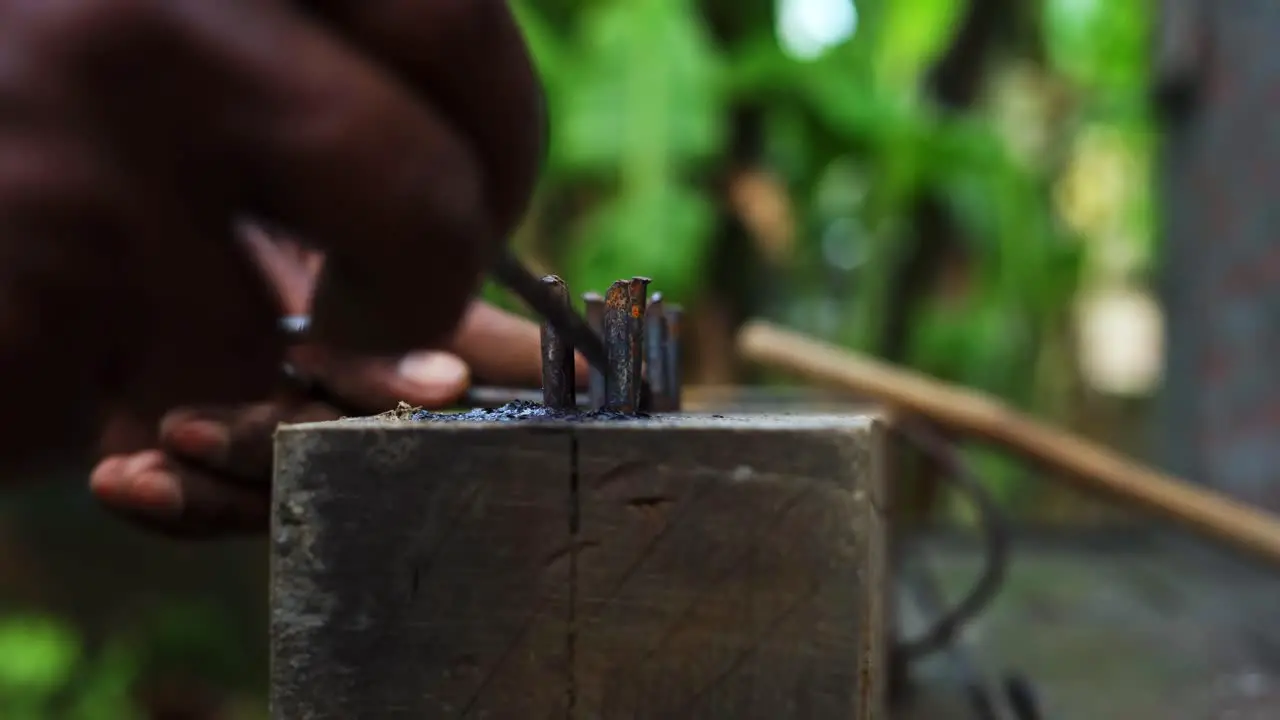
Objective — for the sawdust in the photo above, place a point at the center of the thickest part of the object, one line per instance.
(403, 411)
(514, 411)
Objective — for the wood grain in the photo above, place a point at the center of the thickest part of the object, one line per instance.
(729, 571)
(415, 573)
(698, 567)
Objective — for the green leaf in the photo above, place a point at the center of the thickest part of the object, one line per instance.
(1102, 43)
(37, 655)
(105, 693)
(498, 296)
(544, 44)
(910, 35)
(644, 93)
(663, 234)
(194, 634)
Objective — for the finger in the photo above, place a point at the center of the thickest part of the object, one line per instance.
(125, 433)
(113, 237)
(312, 137)
(427, 379)
(235, 442)
(342, 154)
(503, 348)
(153, 490)
(287, 267)
(491, 346)
(203, 325)
(468, 56)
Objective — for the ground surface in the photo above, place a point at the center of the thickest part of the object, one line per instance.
(1123, 630)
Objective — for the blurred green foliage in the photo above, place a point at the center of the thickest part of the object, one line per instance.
(48, 670)
(642, 95)
(45, 673)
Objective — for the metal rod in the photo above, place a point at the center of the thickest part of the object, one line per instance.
(674, 317)
(617, 378)
(558, 380)
(593, 302)
(655, 352)
(514, 276)
(637, 300)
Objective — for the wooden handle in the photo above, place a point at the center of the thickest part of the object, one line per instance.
(1093, 466)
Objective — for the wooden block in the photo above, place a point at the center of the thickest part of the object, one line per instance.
(698, 567)
(414, 572)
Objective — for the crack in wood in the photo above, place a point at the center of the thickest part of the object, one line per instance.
(682, 568)
(638, 562)
(576, 546)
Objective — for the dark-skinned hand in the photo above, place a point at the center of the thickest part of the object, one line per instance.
(205, 471)
(399, 137)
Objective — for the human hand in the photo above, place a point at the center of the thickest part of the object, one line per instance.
(402, 138)
(206, 471)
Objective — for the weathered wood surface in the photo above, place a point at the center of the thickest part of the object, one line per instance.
(663, 568)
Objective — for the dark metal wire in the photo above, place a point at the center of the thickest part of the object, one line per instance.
(1012, 697)
(995, 535)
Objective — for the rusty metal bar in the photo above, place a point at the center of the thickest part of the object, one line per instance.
(655, 350)
(594, 305)
(674, 379)
(637, 300)
(618, 392)
(558, 378)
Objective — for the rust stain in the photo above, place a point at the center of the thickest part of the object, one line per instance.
(616, 297)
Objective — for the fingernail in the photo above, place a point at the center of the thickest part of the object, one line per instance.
(155, 494)
(202, 439)
(144, 461)
(137, 484)
(433, 369)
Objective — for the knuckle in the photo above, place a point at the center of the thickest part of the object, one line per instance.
(75, 23)
(56, 56)
(459, 185)
(461, 13)
(39, 177)
(445, 16)
(456, 211)
(54, 47)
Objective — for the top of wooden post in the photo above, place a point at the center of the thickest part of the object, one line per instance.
(480, 419)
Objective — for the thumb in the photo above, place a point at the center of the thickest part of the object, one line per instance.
(430, 379)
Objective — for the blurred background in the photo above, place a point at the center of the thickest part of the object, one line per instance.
(966, 187)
